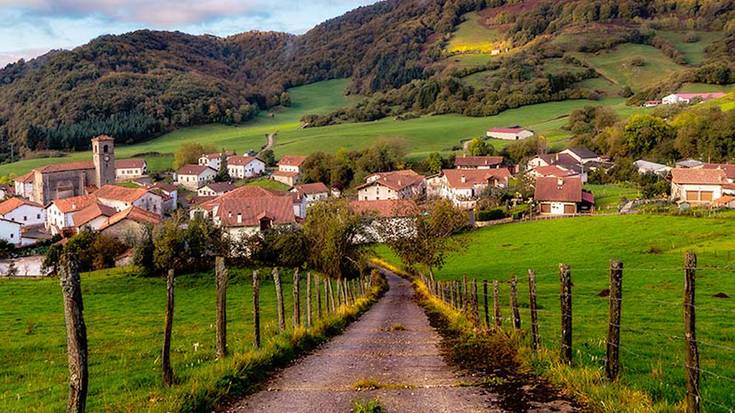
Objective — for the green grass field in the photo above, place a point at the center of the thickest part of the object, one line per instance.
(616, 65)
(472, 36)
(124, 316)
(264, 183)
(422, 136)
(651, 248)
(694, 52)
(609, 197)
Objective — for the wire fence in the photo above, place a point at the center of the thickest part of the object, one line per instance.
(653, 349)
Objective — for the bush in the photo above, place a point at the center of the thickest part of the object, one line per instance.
(638, 61)
(492, 214)
(691, 38)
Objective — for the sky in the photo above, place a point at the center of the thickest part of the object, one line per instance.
(33, 27)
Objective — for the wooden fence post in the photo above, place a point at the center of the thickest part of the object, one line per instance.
(612, 363)
(256, 308)
(308, 299)
(565, 295)
(485, 303)
(690, 334)
(296, 298)
(318, 290)
(534, 311)
(76, 336)
(514, 302)
(168, 373)
(465, 294)
(496, 304)
(329, 294)
(475, 304)
(280, 309)
(220, 275)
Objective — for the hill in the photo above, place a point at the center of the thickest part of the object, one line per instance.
(470, 57)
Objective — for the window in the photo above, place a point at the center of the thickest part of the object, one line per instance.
(12, 235)
(38, 216)
(25, 218)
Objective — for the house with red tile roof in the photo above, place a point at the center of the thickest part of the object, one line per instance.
(305, 195)
(698, 186)
(214, 160)
(404, 184)
(289, 170)
(92, 217)
(23, 211)
(464, 186)
(216, 189)
(128, 223)
(60, 212)
(126, 169)
(241, 167)
(509, 134)
(553, 171)
(687, 98)
(120, 198)
(478, 162)
(562, 196)
(193, 177)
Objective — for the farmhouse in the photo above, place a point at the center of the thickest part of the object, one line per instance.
(169, 193)
(22, 211)
(464, 186)
(289, 170)
(128, 223)
(24, 185)
(478, 162)
(646, 167)
(194, 176)
(214, 160)
(728, 168)
(687, 98)
(554, 171)
(60, 212)
(92, 217)
(126, 169)
(582, 155)
(240, 167)
(307, 194)
(392, 185)
(248, 210)
(10, 231)
(509, 134)
(562, 196)
(121, 198)
(697, 186)
(216, 189)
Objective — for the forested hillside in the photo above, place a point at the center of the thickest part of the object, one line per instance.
(408, 57)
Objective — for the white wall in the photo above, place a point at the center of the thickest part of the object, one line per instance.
(10, 231)
(27, 215)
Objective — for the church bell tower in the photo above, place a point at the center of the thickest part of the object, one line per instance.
(103, 155)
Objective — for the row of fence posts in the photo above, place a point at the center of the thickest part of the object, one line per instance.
(327, 302)
(463, 296)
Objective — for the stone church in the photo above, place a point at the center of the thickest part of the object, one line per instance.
(66, 180)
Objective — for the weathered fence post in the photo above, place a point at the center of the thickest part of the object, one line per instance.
(534, 311)
(329, 294)
(280, 309)
(76, 336)
(465, 294)
(690, 334)
(296, 298)
(485, 303)
(168, 373)
(514, 302)
(256, 308)
(318, 290)
(455, 294)
(220, 276)
(612, 363)
(566, 313)
(496, 304)
(308, 299)
(475, 303)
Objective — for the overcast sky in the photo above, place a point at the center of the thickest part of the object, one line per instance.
(32, 27)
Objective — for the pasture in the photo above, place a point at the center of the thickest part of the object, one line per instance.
(652, 249)
(472, 36)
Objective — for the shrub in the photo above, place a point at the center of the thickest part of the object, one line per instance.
(691, 38)
(492, 214)
(638, 61)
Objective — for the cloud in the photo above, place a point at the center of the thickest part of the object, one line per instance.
(12, 57)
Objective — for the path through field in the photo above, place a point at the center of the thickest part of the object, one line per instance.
(407, 361)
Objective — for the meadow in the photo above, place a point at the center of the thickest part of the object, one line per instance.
(474, 37)
(652, 249)
(421, 136)
(124, 317)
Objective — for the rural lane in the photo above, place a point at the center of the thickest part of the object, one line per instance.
(392, 344)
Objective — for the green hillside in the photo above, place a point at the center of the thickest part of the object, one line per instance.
(651, 248)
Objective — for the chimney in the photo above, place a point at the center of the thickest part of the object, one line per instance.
(229, 214)
(239, 218)
(560, 181)
(463, 179)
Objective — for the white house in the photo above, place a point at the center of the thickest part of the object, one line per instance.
(121, 198)
(464, 186)
(130, 168)
(194, 176)
(240, 167)
(307, 194)
(10, 231)
(24, 185)
(92, 217)
(23, 211)
(697, 186)
(289, 170)
(647, 167)
(582, 155)
(60, 212)
(509, 134)
(392, 185)
(216, 189)
(213, 160)
(686, 98)
(169, 193)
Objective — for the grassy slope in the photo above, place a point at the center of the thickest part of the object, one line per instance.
(609, 197)
(472, 35)
(424, 135)
(653, 353)
(124, 318)
(694, 52)
(615, 65)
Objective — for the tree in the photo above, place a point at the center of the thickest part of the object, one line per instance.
(268, 157)
(169, 245)
(223, 175)
(189, 153)
(643, 133)
(12, 270)
(434, 163)
(335, 239)
(427, 240)
(51, 261)
(143, 252)
(479, 147)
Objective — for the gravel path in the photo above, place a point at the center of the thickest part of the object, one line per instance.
(406, 363)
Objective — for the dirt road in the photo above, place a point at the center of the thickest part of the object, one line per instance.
(393, 346)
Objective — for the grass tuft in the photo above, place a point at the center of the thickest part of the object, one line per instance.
(367, 406)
